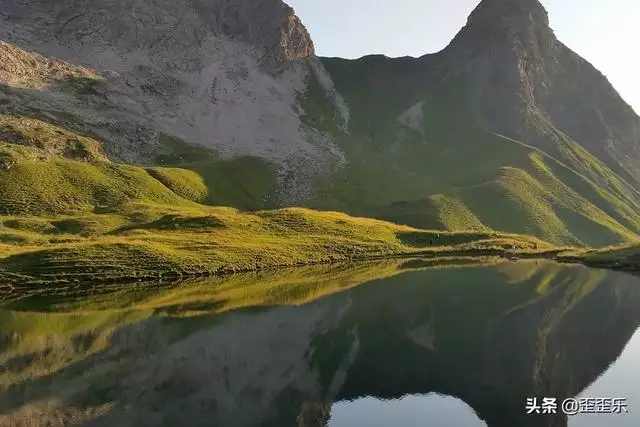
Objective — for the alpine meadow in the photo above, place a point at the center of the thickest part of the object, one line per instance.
(202, 137)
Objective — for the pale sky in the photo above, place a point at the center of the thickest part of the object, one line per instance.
(605, 32)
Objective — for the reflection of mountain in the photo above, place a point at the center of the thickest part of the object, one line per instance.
(491, 336)
(489, 342)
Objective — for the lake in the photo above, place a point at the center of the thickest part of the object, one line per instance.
(388, 343)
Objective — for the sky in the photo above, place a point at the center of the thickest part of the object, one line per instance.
(605, 32)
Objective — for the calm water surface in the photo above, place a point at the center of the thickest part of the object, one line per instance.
(382, 344)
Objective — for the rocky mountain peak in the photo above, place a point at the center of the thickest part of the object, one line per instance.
(508, 22)
(492, 10)
(527, 84)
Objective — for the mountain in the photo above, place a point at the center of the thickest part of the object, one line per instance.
(146, 76)
(530, 85)
(225, 103)
(505, 128)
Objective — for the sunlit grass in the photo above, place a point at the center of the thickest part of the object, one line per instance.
(154, 242)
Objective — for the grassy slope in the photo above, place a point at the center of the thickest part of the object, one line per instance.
(49, 170)
(69, 214)
(64, 220)
(152, 241)
(451, 172)
(447, 173)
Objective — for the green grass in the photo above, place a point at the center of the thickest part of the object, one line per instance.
(615, 257)
(185, 183)
(69, 215)
(153, 241)
(39, 180)
(51, 140)
(242, 182)
(199, 174)
(66, 186)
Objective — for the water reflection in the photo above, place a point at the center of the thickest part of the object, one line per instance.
(322, 346)
(409, 411)
(622, 379)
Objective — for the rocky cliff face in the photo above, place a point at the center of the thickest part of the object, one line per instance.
(532, 87)
(164, 29)
(226, 74)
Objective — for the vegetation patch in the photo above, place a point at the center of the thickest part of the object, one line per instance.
(183, 182)
(52, 140)
(616, 257)
(156, 242)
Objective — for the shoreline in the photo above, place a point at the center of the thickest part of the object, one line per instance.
(435, 255)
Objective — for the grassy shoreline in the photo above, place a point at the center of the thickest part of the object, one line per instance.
(621, 258)
(152, 242)
(158, 242)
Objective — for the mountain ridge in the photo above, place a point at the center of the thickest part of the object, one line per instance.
(451, 140)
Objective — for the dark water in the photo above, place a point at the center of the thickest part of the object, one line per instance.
(367, 345)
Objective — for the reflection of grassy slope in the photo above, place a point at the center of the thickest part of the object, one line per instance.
(295, 286)
(35, 324)
(47, 343)
(78, 329)
(451, 172)
(480, 293)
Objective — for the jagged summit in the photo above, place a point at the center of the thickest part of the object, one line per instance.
(490, 10)
(507, 22)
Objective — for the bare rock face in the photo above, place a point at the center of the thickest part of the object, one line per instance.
(253, 23)
(163, 28)
(529, 85)
(226, 74)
